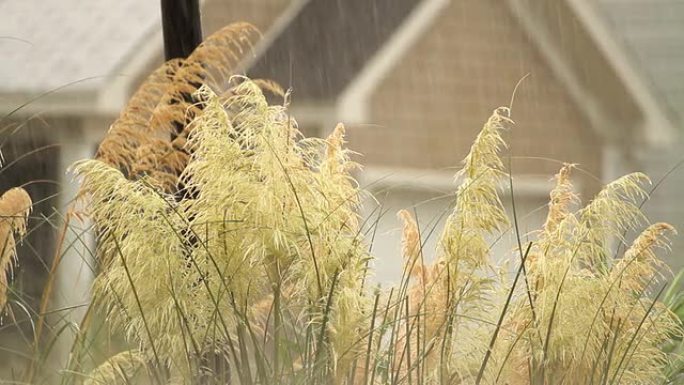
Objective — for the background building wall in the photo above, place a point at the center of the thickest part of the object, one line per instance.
(427, 111)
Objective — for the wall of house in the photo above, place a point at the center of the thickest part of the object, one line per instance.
(429, 197)
(428, 109)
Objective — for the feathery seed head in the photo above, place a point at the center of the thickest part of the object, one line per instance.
(15, 207)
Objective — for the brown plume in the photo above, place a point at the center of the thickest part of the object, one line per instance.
(15, 206)
(149, 136)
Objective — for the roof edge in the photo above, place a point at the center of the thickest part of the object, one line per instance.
(658, 127)
(352, 104)
(405, 178)
(57, 102)
(538, 36)
(279, 25)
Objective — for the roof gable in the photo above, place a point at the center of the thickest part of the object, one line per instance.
(327, 44)
(652, 33)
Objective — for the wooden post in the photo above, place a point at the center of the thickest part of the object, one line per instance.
(182, 27)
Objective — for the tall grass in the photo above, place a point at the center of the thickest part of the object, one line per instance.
(231, 251)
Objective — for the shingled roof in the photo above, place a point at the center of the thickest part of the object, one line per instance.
(48, 44)
(327, 43)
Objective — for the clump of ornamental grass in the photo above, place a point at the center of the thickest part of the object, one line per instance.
(230, 250)
(260, 266)
(573, 314)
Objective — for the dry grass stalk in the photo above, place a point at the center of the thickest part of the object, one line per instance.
(15, 207)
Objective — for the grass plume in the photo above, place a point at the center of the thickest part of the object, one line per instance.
(15, 207)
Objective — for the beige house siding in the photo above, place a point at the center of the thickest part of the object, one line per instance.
(428, 109)
(589, 63)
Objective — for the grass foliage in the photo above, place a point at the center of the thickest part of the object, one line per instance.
(231, 251)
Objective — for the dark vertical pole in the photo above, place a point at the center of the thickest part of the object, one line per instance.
(182, 34)
(182, 27)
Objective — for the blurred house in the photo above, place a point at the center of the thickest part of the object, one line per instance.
(413, 80)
